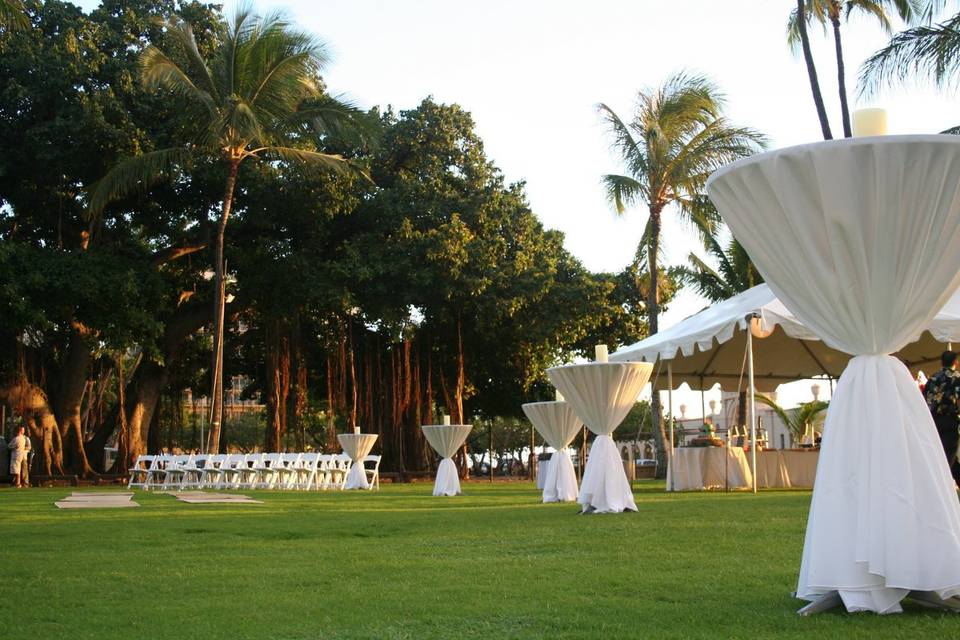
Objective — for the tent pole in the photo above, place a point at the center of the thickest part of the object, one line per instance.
(670, 418)
(752, 403)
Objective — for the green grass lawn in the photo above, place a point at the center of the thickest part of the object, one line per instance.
(494, 563)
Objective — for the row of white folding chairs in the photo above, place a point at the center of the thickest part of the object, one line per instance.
(303, 471)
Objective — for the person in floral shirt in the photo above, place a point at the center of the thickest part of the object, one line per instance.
(942, 393)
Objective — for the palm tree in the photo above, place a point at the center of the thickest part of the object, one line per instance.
(799, 419)
(812, 71)
(735, 272)
(257, 96)
(675, 139)
(830, 11)
(13, 15)
(930, 50)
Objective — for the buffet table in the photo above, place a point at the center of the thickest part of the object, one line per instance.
(699, 468)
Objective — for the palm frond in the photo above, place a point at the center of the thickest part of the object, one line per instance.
(622, 191)
(335, 117)
(318, 160)
(705, 280)
(797, 419)
(630, 149)
(929, 51)
(159, 71)
(134, 175)
(13, 15)
(182, 34)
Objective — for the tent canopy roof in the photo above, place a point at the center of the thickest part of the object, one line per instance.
(709, 347)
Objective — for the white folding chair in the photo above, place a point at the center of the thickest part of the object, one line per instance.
(210, 474)
(325, 469)
(230, 472)
(307, 470)
(343, 464)
(286, 470)
(155, 473)
(140, 471)
(174, 471)
(250, 471)
(193, 470)
(268, 471)
(373, 472)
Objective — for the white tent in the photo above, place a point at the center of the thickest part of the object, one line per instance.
(709, 347)
(714, 346)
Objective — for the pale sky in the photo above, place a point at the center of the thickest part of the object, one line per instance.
(532, 72)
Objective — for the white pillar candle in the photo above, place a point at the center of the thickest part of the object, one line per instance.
(601, 353)
(558, 396)
(446, 420)
(869, 122)
(356, 429)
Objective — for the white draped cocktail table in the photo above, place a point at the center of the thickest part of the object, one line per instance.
(602, 394)
(558, 423)
(860, 240)
(357, 446)
(446, 439)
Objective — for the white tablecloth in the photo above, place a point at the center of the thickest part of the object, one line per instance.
(697, 468)
(446, 439)
(694, 468)
(558, 423)
(602, 394)
(357, 446)
(860, 240)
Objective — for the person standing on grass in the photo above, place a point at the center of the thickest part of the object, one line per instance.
(19, 448)
(942, 393)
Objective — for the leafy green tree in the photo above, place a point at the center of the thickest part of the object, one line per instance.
(68, 109)
(831, 12)
(676, 137)
(253, 100)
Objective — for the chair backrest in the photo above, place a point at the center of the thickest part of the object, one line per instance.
(179, 461)
(372, 459)
(271, 460)
(309, 460)
(290, 460)
(143, 462)
(344, 461)
(200, 461)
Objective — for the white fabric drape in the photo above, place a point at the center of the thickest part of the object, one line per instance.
(357, 446)
(602, 394)
(446, 439)
(860, 239)
(558, 423)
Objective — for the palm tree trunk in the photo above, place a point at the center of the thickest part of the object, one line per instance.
(216, 396)
(653, 317)
(812, 70)
(841, 74)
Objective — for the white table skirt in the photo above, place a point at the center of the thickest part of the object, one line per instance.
(357, 446)
(446, 439)
(602, 395)
(558, 423)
